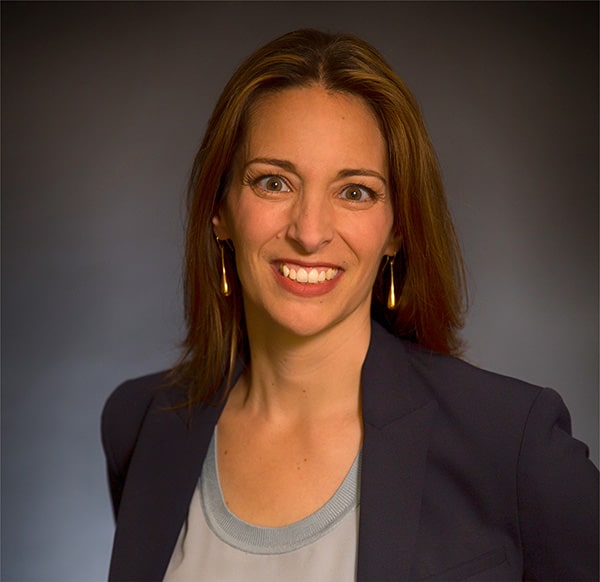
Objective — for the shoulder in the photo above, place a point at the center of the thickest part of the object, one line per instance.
(451, 381)
(485, 408)
(499, 406)
(131, 399)
(455, 381)
(126, 409)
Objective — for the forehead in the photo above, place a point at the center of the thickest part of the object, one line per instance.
(315, 124)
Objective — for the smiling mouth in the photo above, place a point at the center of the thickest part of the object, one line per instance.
(308, 276)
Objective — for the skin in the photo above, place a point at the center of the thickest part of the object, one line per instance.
(309, 192)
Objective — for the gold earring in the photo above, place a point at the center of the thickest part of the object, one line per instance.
(391, 300)
(225, 289)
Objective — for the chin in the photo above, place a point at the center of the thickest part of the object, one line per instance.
(304, 328)
(306, 322)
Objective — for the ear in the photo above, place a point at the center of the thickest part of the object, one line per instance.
(220, 225)
(394, 244)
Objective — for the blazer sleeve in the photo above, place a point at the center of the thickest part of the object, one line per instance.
(558, 496)
(121, 421)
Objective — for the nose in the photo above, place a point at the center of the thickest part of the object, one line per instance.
(311, 224)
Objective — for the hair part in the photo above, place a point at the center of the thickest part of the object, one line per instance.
(428, 269)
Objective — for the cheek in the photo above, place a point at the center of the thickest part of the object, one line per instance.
(385, 229)
(241, 223)
(373, 236)
(255, 223)
(249, 233)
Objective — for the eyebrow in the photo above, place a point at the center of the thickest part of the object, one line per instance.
(289, 167)
(283, 164)
(361, 172)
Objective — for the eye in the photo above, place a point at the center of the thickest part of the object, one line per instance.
(357, 193)
(273, 184)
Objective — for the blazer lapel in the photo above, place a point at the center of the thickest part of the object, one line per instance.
(397, 416)
(162, 475)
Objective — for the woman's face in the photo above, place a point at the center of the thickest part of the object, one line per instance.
(308, 211)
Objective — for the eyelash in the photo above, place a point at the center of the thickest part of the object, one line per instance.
(276, 178)
(369, 191)
(255, 181)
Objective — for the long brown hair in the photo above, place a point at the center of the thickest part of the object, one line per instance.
(428, 270)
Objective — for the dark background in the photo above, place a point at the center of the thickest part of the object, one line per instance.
(103, 106)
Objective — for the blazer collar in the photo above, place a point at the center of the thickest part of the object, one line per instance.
(164, 470)
(397, 415)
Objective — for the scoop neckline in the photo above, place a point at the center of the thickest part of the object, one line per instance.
(255, 539)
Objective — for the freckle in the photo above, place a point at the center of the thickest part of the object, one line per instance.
(305, 460)
(225, 452)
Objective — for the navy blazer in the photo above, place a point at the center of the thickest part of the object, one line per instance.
(466, 474)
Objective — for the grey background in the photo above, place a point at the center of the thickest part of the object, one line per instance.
(103, 106)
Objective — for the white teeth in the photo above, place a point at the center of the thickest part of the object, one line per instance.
(312, 276)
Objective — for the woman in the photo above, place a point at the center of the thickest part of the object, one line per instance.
(319, 425)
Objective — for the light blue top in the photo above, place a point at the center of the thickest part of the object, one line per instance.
(216, 545)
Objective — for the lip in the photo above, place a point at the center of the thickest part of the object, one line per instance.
(306, 289)
(307, 265)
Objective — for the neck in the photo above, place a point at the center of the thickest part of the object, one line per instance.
(293, 377)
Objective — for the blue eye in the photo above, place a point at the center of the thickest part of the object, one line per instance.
(356, 193)
(273, 184)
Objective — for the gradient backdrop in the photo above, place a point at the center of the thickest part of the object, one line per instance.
(103, 106)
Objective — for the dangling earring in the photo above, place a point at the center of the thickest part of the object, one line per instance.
(391, 300)
(225, 289)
